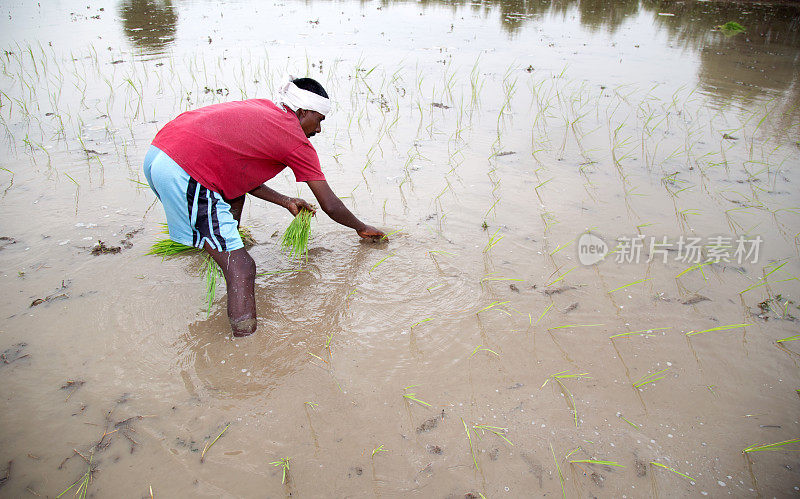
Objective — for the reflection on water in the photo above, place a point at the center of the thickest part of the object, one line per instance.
(149, 24)
(760, 62)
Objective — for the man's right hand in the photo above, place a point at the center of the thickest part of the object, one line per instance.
(369, 232)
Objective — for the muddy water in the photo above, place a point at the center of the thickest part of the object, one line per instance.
(491, 136)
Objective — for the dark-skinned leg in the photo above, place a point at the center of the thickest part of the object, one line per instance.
(236, 208)
(239, 269)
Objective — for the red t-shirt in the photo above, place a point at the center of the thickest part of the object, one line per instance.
(233, 147)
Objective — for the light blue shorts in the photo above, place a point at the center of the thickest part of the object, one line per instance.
(195, 215)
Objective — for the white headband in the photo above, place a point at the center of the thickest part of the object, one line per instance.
(296, 98)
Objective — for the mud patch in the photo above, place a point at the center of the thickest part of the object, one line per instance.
(691, 300)
(428, 425)
(558, 290)
(14, 353)
(54, 296)
(102, 248)
(6, 241)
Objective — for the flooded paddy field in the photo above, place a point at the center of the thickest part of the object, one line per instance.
(590, 288)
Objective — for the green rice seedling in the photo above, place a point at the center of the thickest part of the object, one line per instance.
(213, 274)
(380, 262)
(557, 377)
(317, 357)
(561, 246)
(544, 313)
(491, 305)
(650, 378)
(574, 325)
(492, 241)
(560, 475)
(378, 449)
(564, 375)
(386, 236)
(413, 396)
(283, 463)
(471, 448)
(619, 414)
(719, 328)
(672, 470)
(420, 322)
(480, 348)
(642, 332)
(82, 482)
(764, 278)
(638, 281)
(500, 432)
(695, 267)
(295, 239)
(561, 277)
(208, 445)
(790, 338)
(777, 446)
(595, 461)
(311, 404)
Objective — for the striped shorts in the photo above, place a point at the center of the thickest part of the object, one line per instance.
(195, 215)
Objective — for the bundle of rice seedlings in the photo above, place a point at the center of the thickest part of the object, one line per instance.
(295, 239)
(209, 268)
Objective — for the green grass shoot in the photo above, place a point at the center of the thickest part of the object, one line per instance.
(208, 445)
(471, 448)
(560, 475)
(500, 432)
(378, 449)
(574, 325)
(719, 328)
(491, 305)
(83, 481)
(694, 267)
(209, 268)
(561, 246)
(492, 241)
(672, 470)
(773, 447)
(628, 420)
(284, 464)
(595, 461)
(413, 396)
(650, 378)
(563, 375)
(630, 284)
(561, 277)
(295, 238)
(544, 313)
(380, 262)
(420, 322)
(642, 332)
(480, 348)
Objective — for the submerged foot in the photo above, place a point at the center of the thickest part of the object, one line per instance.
(244, 327)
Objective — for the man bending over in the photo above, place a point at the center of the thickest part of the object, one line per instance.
(202, 163)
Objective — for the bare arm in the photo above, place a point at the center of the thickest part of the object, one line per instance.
(334, 208)
(294, 205)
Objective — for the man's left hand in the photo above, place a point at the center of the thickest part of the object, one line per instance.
(294, 205)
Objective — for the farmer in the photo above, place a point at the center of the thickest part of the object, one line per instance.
(202, 163)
